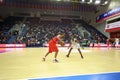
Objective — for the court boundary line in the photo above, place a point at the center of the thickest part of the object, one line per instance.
(75, 75)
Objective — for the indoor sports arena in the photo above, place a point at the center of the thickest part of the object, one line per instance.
(59, 40)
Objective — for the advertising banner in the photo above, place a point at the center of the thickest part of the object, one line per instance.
(12, 45)
(112, 27)
(108, 15)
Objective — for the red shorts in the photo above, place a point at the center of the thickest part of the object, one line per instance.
(52, 46)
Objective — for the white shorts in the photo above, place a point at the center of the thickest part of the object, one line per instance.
(77, 46)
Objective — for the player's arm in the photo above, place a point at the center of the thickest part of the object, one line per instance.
(77, 41)
(60, 40)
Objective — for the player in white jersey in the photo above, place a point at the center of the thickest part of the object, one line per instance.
(74, 43)
(116, 42)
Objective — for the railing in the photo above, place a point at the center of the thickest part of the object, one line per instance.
(51, 6)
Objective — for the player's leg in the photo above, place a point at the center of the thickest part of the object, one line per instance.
(117, 43)
(45, 56)
(80, 53)
(55, 48)
(49, 51)
(55, 57)
(69, 52)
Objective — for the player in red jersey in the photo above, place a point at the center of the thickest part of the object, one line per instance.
(53, 47)
(108, 42)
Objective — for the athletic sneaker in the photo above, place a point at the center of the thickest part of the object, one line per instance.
(43, 59)
(67, 55)
(82, 57)
(55, 60)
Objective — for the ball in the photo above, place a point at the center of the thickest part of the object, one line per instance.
(62, 44)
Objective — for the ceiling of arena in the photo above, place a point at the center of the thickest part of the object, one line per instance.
(97, 2)
(100, 7)
(12, 11)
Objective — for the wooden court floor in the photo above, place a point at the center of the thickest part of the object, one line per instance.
(25, 63)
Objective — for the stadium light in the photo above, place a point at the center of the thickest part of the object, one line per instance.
(97, 1)
(58, 0)
(1, 1)
(83, 0)
(66, 0)
(91, 1)
(106, 2)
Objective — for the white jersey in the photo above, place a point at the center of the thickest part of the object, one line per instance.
(75, 44)
(116, 41)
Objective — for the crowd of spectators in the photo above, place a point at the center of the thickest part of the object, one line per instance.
(40, 32)
(4, 28)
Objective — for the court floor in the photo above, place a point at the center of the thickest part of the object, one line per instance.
(26, 63)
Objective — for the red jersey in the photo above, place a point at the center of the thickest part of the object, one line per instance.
(52, 44)
(55, 40)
